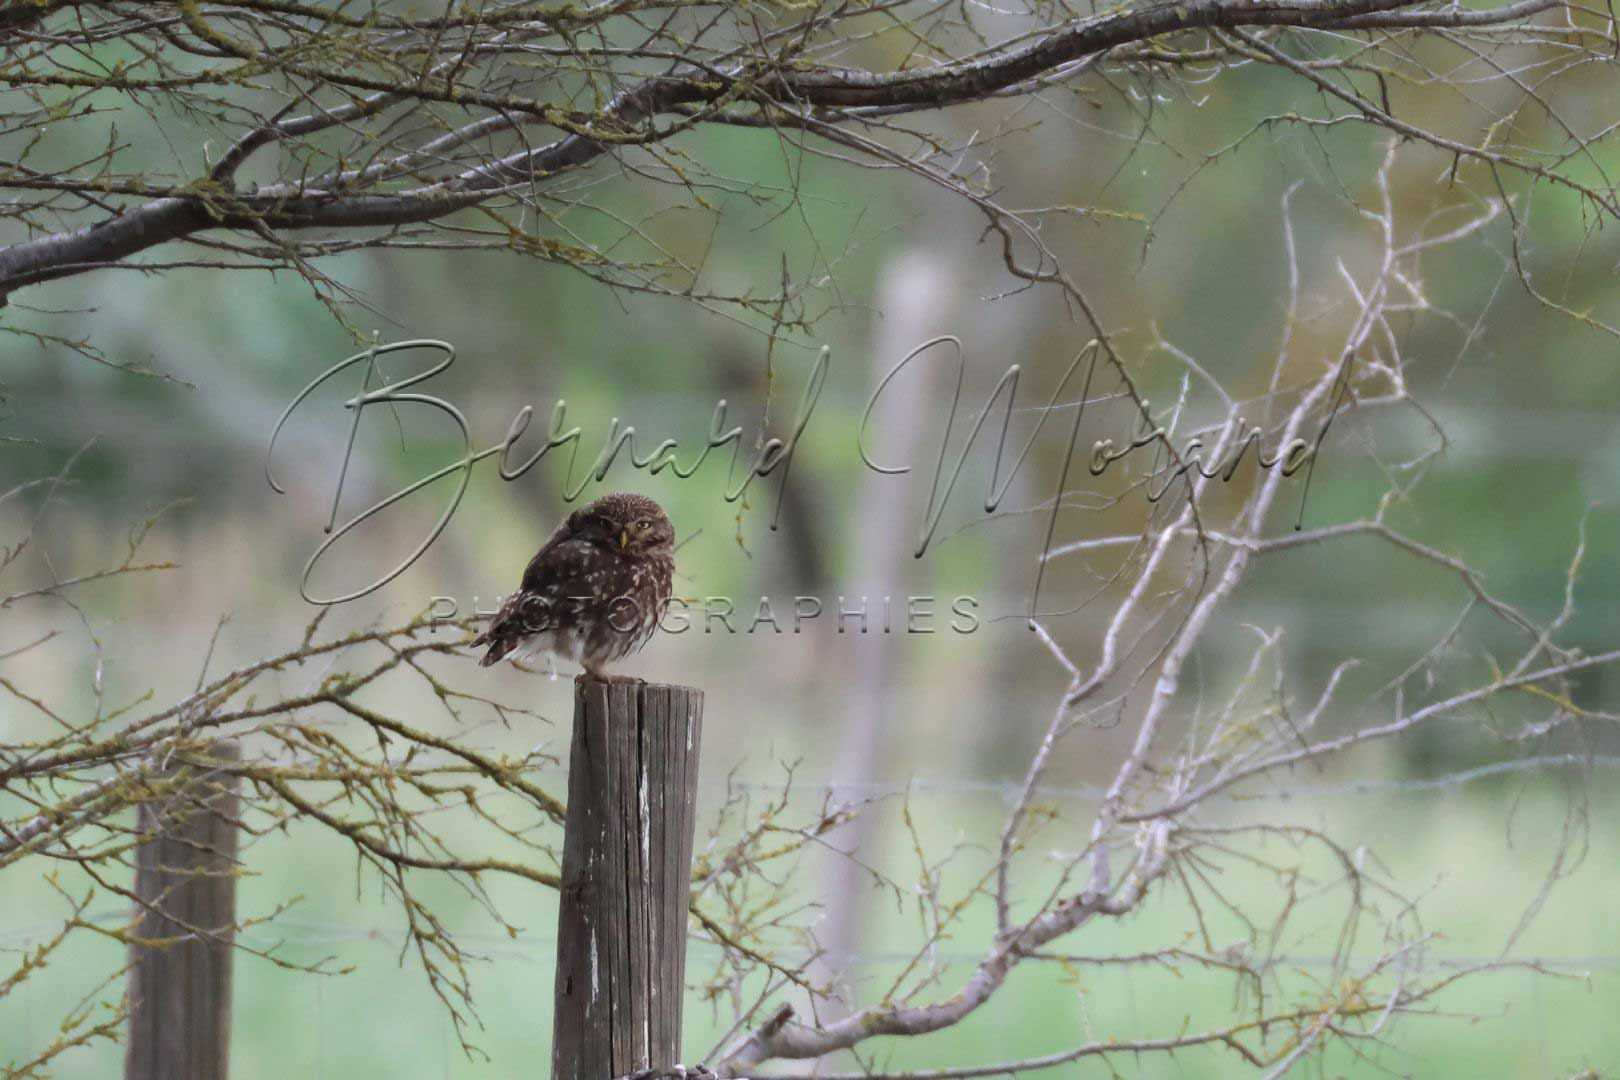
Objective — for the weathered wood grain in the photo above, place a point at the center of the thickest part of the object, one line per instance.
(180, 973)
(626, 879)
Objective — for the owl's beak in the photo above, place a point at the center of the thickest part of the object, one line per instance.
(624, 539)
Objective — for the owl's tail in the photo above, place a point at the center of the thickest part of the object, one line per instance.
(499, 646)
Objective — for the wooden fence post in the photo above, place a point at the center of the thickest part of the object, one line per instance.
(180, 973)
(626, 879)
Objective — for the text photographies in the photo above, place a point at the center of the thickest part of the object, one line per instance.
(678, 614)
(771, 454)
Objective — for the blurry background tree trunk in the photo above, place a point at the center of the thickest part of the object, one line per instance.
(916, 287)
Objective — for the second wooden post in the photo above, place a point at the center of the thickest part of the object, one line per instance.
(626, 879)
(181, 949)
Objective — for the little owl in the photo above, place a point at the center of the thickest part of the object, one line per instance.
(595, 591)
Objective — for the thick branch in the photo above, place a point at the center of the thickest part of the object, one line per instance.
(293, 206)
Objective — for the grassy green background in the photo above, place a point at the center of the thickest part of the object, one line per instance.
(1530, 400)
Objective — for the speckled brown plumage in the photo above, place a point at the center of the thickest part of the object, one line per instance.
(595, 591)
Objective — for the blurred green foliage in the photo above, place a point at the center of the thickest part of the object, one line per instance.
(1530, 398)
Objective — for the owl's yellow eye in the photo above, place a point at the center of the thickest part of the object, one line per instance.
(644, 525)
